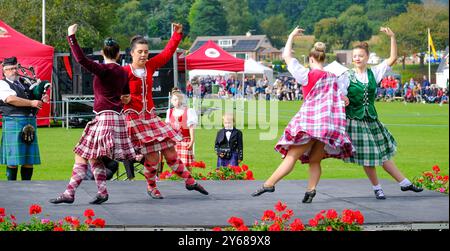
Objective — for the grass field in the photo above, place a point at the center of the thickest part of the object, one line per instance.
(421, 131)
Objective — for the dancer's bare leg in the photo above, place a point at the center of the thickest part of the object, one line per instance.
(315, 170)
(288, 163)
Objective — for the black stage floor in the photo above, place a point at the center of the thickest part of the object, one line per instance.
(130, 208)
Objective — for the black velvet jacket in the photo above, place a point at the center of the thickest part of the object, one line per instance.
(235, 143)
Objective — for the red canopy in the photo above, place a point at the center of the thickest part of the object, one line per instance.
(211, 57)
(29, 53)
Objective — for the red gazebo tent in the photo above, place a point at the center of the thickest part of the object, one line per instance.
(211, 57)
(29, 53)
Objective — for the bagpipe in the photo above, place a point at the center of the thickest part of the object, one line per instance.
(37, 87)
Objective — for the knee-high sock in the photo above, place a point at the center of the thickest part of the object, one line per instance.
(150, 173)
(11, 173)
(78, 174)
(99, 171)
(26, 173)
(180, 169)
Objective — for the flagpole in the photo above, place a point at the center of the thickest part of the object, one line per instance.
(429, 56)
(43, 21)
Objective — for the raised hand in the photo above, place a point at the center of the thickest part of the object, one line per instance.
(297, 32)
(72, 29)
(388, 31)
(178, 28)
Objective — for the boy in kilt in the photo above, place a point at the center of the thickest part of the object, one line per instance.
(317, 131)
(105, 135)
(149, 134)
(183, 120)
(374, 144)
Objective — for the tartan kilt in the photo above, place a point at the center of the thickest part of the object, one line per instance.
(321, 117)
(373, 142)
(106, 135)
(149, 133)
(183, 153)
(13, 151)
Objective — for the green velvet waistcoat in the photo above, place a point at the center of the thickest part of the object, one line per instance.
(362, 97)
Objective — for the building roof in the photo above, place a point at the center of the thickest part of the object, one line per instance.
(239, 43)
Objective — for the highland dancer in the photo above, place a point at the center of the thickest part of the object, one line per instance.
(148, 133)
(105, 135)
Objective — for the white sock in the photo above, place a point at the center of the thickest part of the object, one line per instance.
(405, 183)
(377, 187)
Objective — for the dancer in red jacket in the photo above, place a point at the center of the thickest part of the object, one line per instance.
(148, 133)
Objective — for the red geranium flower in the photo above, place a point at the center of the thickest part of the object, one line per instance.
(235, 221)
(2, 211)
(58, 229)
(217, 229)
(35, 209)
(329, 228)
(289, 213)
(249, 175)
(242, 228)
(280, 207)
(332, 214)
(274, 227)
(89, 213)
(244, 167)
(436, 169)
(313, 222)
(358, 217)
(269, 214)
(297, 225)
(99, 222)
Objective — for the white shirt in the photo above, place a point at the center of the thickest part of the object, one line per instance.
(300, 73)
(192, 118)
(378, 72)
(6, 91)
(228, 135)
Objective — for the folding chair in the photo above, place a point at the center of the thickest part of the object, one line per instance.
(133, 166)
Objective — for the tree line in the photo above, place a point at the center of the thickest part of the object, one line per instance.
(338, 23)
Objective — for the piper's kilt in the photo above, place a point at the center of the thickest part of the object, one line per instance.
(106, 135)
(373, 142)
(149, 133)
(184, 154)
(13, 150)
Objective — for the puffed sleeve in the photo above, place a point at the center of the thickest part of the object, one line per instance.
(343, 83)
(379, 70)
(298, 71)
(192, 118)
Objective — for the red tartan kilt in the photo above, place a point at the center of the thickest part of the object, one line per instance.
(149, 133)
(186, 155)
(105, 135)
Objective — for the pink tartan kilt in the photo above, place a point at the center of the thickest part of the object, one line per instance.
(321, 117)
(186, 155)
(105, 135)
(149, 133)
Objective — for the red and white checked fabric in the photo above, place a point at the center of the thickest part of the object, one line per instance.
(150, 170)
(321, 117)
(185, 154)
(78, 174)
(106, 135)
(180, 169)
(99, 171)
(149, 133)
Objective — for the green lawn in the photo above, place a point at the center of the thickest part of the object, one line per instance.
(421, 131)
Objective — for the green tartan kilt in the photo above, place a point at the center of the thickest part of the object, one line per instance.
(13, 150)
(373, 143)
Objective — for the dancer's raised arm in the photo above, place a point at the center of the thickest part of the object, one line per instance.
(287, 53)
(393, 55)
